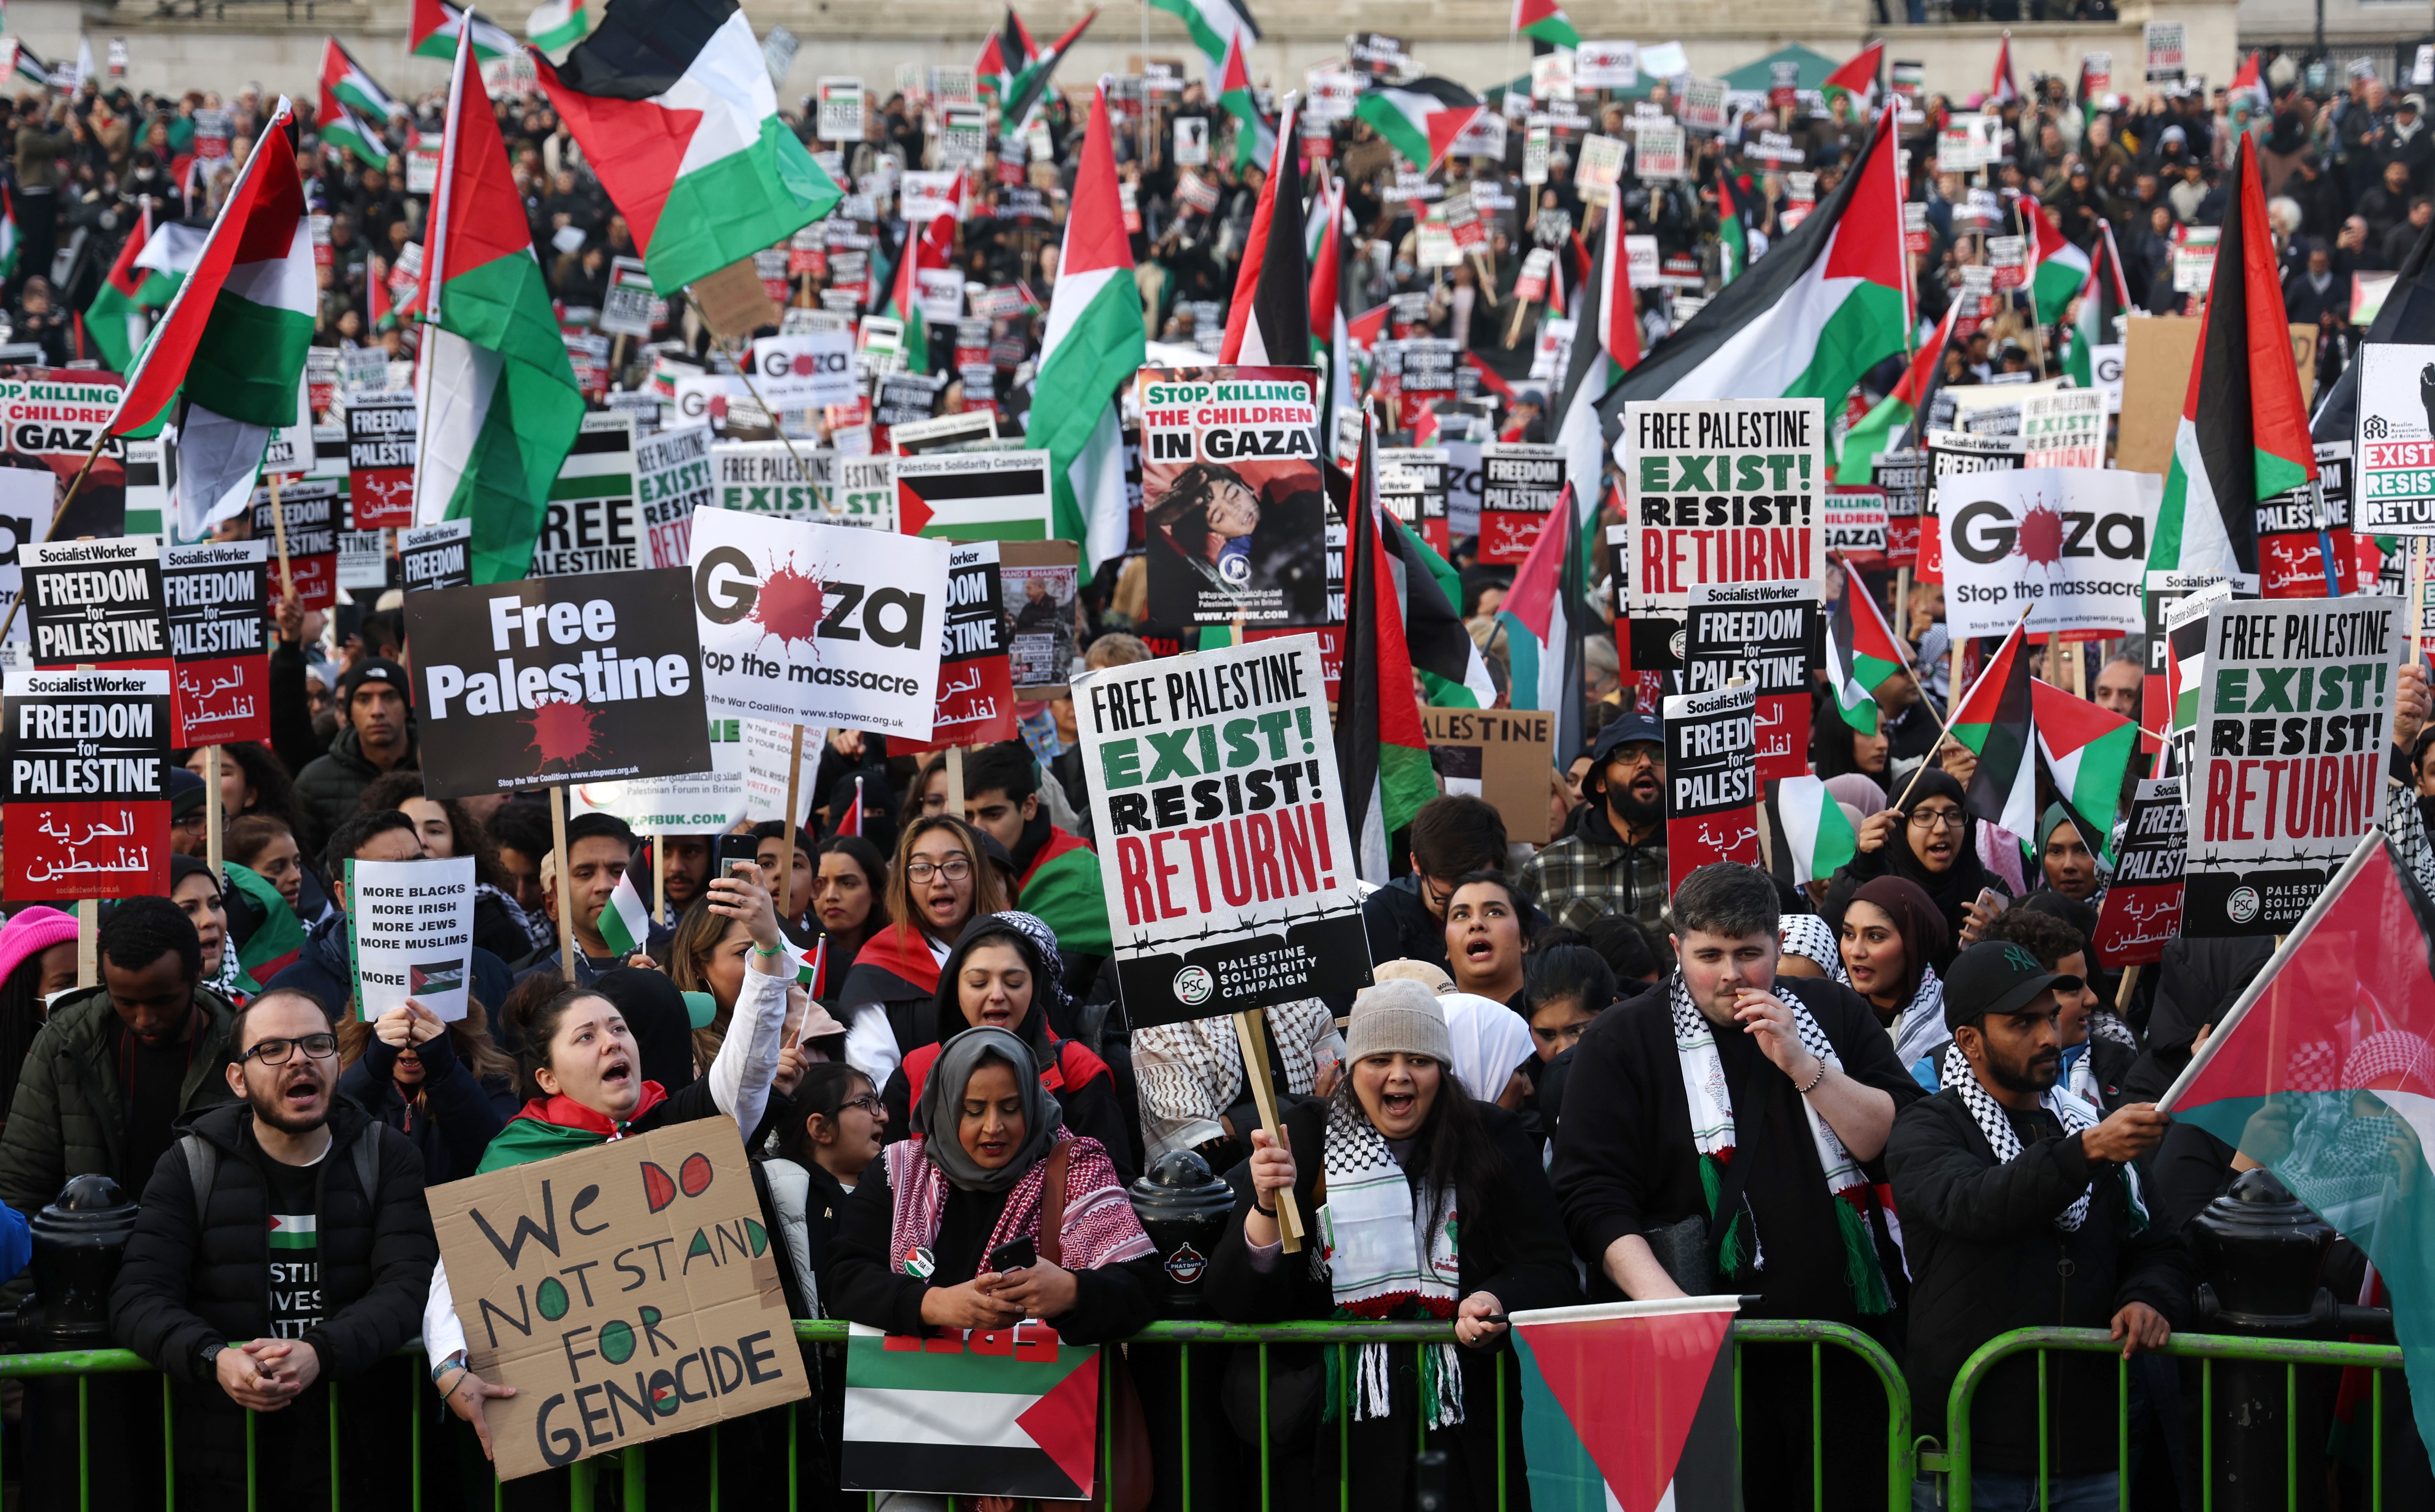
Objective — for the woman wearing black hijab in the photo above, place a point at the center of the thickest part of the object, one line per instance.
(1932, 841)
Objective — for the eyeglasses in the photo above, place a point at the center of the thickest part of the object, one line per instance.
(275, 1052)
(1641, 755)
(1936, 818)
(868, 1101)
(955, 868)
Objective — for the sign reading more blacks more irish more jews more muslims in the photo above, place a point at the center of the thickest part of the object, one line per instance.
(95, 603)
(1222, 839)
(2072, 541)
(413, 924)
(219, 596)
(2395, 493)
(1232, 501)
(557, 679)
(2294, 714)
(88, 794)
(1711, 784)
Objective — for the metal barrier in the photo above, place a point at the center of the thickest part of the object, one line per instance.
(1953, 1464)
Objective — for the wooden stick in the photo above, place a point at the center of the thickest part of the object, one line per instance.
(212, 810)
(565, 879)
(88, 914)
(659, 877)
(279, 527)
(955, 781)
(2122, 993)
(1252, 1036)
(57, 515)
(794, 817)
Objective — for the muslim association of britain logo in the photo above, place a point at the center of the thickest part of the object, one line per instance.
(2242, 905)
(1194, 986)
(1236, 570)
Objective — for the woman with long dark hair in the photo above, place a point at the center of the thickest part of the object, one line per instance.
(446, 831)
(850, 903)
(252, 782)
(445, 1086)
(939, 882)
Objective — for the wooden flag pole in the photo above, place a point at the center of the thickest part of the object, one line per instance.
(87, 916)
(565, 881)
(955, 781)
(286, 575)
(659, 877)
(2122, 993)
(212, 811)
(1951, 704)
(794, 817)
(1252, 1035)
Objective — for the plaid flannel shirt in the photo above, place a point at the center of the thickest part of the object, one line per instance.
(1577, 880)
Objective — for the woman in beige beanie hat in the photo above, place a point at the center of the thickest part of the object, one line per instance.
(1421, 1203)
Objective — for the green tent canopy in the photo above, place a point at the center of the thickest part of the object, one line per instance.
(1758, 76)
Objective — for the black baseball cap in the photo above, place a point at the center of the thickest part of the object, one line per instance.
(187, 794)
(375, 669)
(1627, 729)
(1997, 976)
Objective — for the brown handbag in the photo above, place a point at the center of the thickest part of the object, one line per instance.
(1128, 1483)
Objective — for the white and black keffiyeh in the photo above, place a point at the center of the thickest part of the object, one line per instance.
(1382, 1253)
(1921, 1024)
(2074, 1115)
(1812, 938)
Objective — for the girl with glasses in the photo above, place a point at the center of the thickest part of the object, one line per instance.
(1934, 843)
(939, 884)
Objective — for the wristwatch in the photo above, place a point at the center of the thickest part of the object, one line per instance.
(207, 1360)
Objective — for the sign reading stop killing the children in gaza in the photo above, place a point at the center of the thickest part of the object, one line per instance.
(1222, 840)
(629, 1292)
(1723, 491)
(1234, 505)
(2295, 708)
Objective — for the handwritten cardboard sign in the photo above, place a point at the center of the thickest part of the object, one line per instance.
(628, 1292)
(1502, 755)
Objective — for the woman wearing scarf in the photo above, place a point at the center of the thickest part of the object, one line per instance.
(1931, 841)
(1435, 1206)
(1005, 973)
(1892, 940)
(940, 882)
(1809, 948)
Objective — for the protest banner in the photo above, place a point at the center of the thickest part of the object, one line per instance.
(216, 599)
(2142, 907)
(975, 495)
(1023, 1403)
(94, 603)
(592, 524)
(1520, 483)
(1764, 634)
(1038, 582)
(308, 509)
(672, 479)
(1857, 521)
(410, 934)
(698, 803)
(380, 459)
(2064, 428)
(1227, 870)
(437, 556)
(1956, 454)
(1722, 491)
(88, 796)
(841, 109)
(2072, 540)
(1606, 65)
(693, 1330)
(863, 605)
(976, 703)
(1500, 755)
(557, 679)
(1903, 476)
(1712, 787)
(808, 371)
(1233, 502)
(2396, 495)
(1412, 488)
(777, 478)
(1659, 153)
(2166, 42)
(56, 414)
(363, 560)
(2293, 718)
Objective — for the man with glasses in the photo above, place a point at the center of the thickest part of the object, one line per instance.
(1614, 861)
(282, 1243)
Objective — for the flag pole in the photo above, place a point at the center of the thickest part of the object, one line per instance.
(794, 817)
(565, 882)
(212, 811)
(57, 515)
(1951, 706)
(783, 439)
(287, 572)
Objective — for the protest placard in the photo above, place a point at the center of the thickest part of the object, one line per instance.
(2293, 536)
(672, 479)
(841, 109)
(2396, 495)
(2063, 428)
(94, 603)
(2293, 718)
(309, 508)
(1856, 521)
(557, 679)
(88, 790)
(818, 624)
(807, 371)
(1658, 153)
(410, 934)
(437, 556)
(1956, 454)
(779, 479)
(363, 560)
(976, 703)
(1606, 65)
(1500, 755)
(2073, 540)
(694, 1330)
(1712, 786)
(2142, 907)
(1520, 483)
(630, 307)
(58, 413)
(217, 600)
(1723, 491)
(1412, 488)
(1903, 476)
(380, 459)
(975, 495)
(699, 802)
(2165, 44)
(592, 523)
(1700, 106)
(1251, 902)
(1232, 501)
(1038, 582)
(1764, 634)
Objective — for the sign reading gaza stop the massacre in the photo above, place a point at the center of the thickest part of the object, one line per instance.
(1723, 491)
(2070, 541)
(2295, 708)
(628, 1292)
(1222, 841)
(218, 599)
(1711, 784)
(94, 603)
(88, 783)
(557, 679)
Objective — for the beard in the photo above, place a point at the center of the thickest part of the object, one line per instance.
(2032, 1078)
(274, 1111)
(1636, 812)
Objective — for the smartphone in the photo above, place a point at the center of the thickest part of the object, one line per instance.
(1015, 1254)
(736, 847)
(1992, 902)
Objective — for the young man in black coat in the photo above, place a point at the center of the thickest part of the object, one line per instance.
(284, 1242)
(2017, 1209)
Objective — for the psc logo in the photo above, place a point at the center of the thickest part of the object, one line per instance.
(2241, 905)
(1194, 986)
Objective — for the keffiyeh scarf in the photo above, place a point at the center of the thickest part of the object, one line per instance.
(2069, 1110)
(1920, 1026)
(1812, 938)
(1100, 1227)
(1711, 1105)
(1383, 1255)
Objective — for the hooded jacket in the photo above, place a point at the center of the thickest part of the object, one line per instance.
(327, 788)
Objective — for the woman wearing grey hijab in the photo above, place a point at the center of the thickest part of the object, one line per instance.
(915, 1250)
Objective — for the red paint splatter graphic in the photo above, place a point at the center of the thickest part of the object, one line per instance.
(2041, 537)
(561, 732)
(789, 604)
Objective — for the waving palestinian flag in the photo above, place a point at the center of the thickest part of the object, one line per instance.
(2058, 268)
(2103, 299)
(2003, 91)
(1858, 79)
(1453, 674)
(1997, 720)
(673, 106)
(1630, 1405)
(1215, 25)
(1029, 83)
(1549, 601)
(350, 103)
(1606, 345)
(626, 922)
(116, 317)
(437, 25)
(934, 249)
(1419, 119)
(559, 25)
(2086, 750)
(1253, 137)
(1812, 833)
(1269, 320)
(1881, 427)
(1732, 236)
(1544, 21)
(1861, 653)
(1007, 53)
(1007, 1414)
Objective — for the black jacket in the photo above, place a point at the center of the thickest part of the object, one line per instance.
(459, 1114)
(1986, 1258)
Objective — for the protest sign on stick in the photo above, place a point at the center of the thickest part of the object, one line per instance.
(1501, 756)
(411, 931)
(1710, 784)
(218, 599)
(1721, 492)
(2073, 542)
(1231, 496)
(1761, 635)
(95, 603)
(88, 783)
(2142, 908)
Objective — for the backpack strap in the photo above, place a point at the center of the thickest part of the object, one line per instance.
(1052, 1203)
(202, 1168)
(367, 1157)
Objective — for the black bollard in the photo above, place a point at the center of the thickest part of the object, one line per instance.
(78, 1241)
(1184, 1209)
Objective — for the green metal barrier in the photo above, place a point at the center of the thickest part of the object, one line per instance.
(1954, 1465)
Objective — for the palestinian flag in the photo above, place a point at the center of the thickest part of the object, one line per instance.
(1996, 719)
(275, 941)
(1544, 21)
(1031, 82)
(116, 317)
(2244, 434)
(1732, 237)
(348, 97)
(1630, 1405)
(1381, 750)
(1062, 889)
(2184, 670)
(1092, 343)
(28, 64)
(1832, 302)
(1443, 654)
(894, 967)
(500, 408)
(849, 822)
(436, 25)
(1213, 25)
(1234, 98)
(8, 234)
(2057, 269)
(1419, 119)
(559, 25)
(2322, 1072)
(1331, 342)
(625, 923)
(2084, 94)
(1883, 428)
(1007, 53)
(1007, 1414)
(340, 127)
(1812, 833)
(1861, 653)
(1859, 77)
(2003, 91)
(1606, 345)
(1269, 320)
(2086, 750)
(293, 1231)
(378, 315)
(234, 338)
(1549, 600)
(673, 107)
(2103, 299)
(934, 249)
(2248, 88)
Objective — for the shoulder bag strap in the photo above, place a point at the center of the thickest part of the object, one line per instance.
(1052, 1203)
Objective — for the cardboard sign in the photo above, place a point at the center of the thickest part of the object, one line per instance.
(1762, 633)
(310, 510)
(804, 372)
(977, 495)
(2072, 539)
(380, 459)
(88, 784)
(412, 933)
(592, 524)
(841, 109)
(1252, 903)
(1724, 491)
(2293, 722)
(94, 603)
(1502, 755)
(2395, 491)
(1520, 486)
(1710, 784)
(2142, 908)
(976, 703)
(557, 679)
(684, 1324)
(437, 556)
(218, 598)
(1232, 501)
